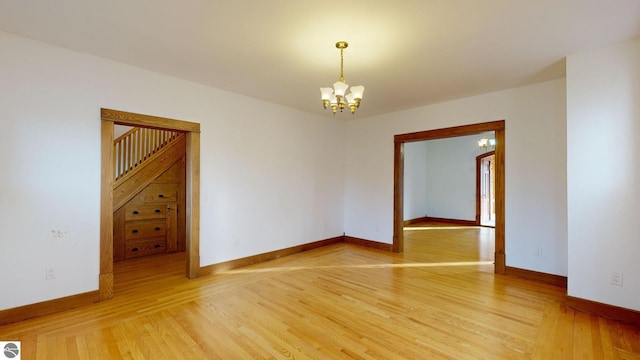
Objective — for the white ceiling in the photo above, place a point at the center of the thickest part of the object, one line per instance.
(406, 53)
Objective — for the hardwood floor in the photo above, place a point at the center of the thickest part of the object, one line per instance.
(438, 300)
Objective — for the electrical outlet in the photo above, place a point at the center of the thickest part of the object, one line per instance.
(58, 234)
(50, 272)
(539, 252)
(615, 278)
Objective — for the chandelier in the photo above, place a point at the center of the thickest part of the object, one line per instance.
(336, 98)
(486, 142)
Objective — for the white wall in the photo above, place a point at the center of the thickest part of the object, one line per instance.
(451, 177)
(535, 168)
(271, 177)
(603, 155)
(440, 177)
(415, 182)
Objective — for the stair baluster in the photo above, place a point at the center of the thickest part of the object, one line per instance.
(137, 145)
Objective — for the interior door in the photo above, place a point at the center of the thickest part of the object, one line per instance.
(487, 191)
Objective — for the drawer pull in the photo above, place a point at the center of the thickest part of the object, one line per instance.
(157, 246)
(135, 212)
(134, 249)
(157, 210)
(157, 228)
(134, 231)
(161, 196)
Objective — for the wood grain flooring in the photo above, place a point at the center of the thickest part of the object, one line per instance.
(438, 300)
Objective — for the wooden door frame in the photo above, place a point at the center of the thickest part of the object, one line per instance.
(398, 180)
(192, 131)
(479, 159)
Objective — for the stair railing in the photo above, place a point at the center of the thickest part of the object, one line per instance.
(137, 145)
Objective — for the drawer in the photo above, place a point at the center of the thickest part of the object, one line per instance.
(145, 212)
(160, 193)
(144, 247)
(144, 229)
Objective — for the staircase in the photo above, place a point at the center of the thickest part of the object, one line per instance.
(137, 145)
(148, 193)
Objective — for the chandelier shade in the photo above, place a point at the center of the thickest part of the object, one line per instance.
(485, 142)
(337, 97)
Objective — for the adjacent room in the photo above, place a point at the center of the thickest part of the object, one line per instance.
(286, 179)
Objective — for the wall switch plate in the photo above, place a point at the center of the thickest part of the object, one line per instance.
(615, 278)
(50, 272)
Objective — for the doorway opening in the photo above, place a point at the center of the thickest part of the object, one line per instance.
(192, 194)
(485, 190)
(399, 141)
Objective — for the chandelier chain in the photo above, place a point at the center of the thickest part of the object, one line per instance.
(341, 65)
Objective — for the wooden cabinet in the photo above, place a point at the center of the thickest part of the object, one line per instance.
(143, 247)
(144, 212)
(149, 223)
(145, 228)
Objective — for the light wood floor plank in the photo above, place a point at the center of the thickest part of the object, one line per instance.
(438, 300)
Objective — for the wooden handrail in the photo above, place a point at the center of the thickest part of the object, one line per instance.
(126, 134)
(136, 145)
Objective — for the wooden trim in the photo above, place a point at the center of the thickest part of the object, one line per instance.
(450, 132)
(478, 186)
(105, 277)
(30, 311)
(545, 278)
(613, 312)
(398, 197)
(141, 120)
(272, 255)
(193, 204)
(368, 243)
(479, 183)
(415, 221)
(500, 151)
(109, 118)
(451, 221)
(398, 180)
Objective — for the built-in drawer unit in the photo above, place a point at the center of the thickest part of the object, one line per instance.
(151, 221)
(144, 212)
(144, 229)
(160, 193)
(143, 247)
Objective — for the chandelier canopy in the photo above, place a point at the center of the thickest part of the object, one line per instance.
(335, 97)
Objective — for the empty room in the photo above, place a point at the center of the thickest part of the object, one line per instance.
(210, 179)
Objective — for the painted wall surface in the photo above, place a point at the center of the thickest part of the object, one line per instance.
(415, 185)
(440, 178)
(603, 156)
(271, 177)
(294, 177)
(535, 168)
(451, 177)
